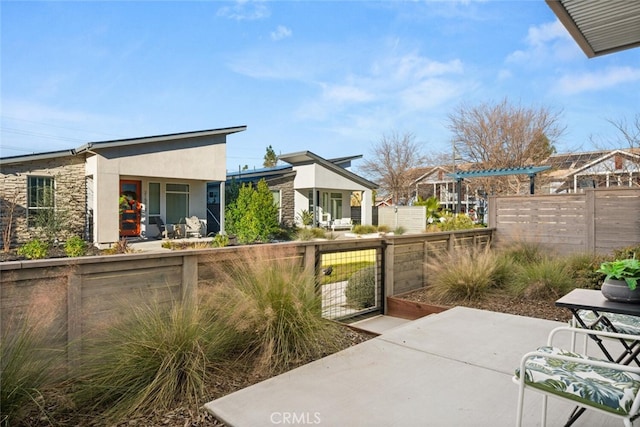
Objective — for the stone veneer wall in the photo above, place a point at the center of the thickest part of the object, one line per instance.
(285, 185)
(70, 195)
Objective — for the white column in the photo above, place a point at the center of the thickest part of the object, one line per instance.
(222, 206)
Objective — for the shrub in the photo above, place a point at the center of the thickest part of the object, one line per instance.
(364, 229)
(399, 231)
(220, 241)
(451, 222)
(272, 305)
(361, 288)
(306, 234)
(462, 274)
(34, 249)
(27, 367)
(548, 278)
(384, 228)
(524, 252)
(583, 270)
(152, 359)
(75, 246)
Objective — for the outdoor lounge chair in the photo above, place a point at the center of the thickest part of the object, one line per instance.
(591, 383)
(194, 227)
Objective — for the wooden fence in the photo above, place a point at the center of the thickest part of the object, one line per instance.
(596, 221)
(75, 298)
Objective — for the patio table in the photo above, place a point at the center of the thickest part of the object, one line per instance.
(604, 318)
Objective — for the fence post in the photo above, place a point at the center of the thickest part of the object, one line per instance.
(590, 220)
(189, 279)
(74, 316)
(388, 262)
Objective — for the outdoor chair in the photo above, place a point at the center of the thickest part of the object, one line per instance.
(591, 383)
(620, 323)
(193, 227)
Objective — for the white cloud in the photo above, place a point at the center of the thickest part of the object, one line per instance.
(544, 42)
(280, 33)
(245, 10)
(614, 76)
(346, 94)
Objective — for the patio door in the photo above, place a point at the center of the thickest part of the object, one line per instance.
(130, 208)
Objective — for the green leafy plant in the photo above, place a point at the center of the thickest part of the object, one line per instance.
(253, 215)
(432, 205)
(306, 217)
(627, 269)
(34, 249)
(361, 288)
(75, 246)
(220, 241)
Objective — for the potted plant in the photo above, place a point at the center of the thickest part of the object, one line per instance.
(621, 281)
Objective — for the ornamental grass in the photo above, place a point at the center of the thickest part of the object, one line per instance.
(270, 302)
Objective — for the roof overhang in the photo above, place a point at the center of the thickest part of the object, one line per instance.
(600, 27)
(159, 138)
(307, 157)
(36, 156)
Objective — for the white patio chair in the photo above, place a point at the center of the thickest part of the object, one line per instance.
(193, 227)
(591, 383)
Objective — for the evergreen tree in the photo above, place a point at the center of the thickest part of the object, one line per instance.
(270, 158)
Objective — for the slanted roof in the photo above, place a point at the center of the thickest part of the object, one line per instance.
(600, 27)
(120, 143)
(527, 170)
(302, 158)
(160, 138)
(36, 156)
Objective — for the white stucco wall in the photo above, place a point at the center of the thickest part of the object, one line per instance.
(191, 162)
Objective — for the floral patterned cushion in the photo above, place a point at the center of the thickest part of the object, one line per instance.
(605, 388)
(623, 323)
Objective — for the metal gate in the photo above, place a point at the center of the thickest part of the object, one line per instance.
(351, 283)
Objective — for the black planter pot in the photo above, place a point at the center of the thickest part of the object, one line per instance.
(618, 291)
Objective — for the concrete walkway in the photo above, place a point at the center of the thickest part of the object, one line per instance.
(449, 369)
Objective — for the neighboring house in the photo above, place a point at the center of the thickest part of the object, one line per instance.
(606, 168)
(113, 189)
(569, 173)
(307, 181)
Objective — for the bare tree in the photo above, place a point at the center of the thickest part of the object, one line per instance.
(504, 135)
(625, 167)
(627, 135)
(393, 158)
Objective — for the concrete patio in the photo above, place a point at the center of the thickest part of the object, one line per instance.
(449, 369)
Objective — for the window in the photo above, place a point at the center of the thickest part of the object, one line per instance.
(177, 203)
(276, 201)
(154, 198)
(40, 197)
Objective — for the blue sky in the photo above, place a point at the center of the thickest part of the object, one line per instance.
(326, 76)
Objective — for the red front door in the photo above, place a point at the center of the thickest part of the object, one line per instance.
(130, 208)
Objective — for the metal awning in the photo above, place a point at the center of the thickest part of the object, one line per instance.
(600, 27)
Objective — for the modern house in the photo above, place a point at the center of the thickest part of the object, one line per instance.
(113, 189)
(308, 182)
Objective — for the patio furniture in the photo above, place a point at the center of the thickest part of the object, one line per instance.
(193, 227)
(592, 311)
(599, 385)
(341, 224)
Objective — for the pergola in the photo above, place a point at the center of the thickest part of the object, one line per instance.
(459, 176)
